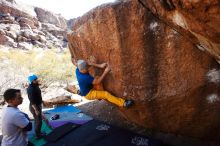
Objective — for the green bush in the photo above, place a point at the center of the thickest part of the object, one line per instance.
(49, 65)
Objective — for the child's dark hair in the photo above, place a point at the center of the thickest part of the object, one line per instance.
(10, 94)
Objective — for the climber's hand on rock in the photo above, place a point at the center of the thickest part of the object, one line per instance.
(107, 69)
(103, 65)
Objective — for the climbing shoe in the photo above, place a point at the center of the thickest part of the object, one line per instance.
(128, 103)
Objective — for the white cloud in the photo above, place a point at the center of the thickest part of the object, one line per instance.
(67, 8)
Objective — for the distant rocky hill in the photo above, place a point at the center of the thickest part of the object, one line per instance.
(27, 26)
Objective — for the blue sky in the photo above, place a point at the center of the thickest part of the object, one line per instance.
(67, 8)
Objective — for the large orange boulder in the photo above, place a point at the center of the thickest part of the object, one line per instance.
(174, 84)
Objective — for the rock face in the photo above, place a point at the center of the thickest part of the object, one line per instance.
(12, 11)
(174, 84)
(48, 17)
(70, 23)
(24, 27)
(197, 20)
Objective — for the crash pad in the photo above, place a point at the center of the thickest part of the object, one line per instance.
(32, 138)
(65, 117)
(66, 108)
(96, 133)
(61, 131)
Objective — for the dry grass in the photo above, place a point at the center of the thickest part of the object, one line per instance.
(49, 65)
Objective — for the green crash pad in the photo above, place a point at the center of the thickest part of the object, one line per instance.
(40, 142)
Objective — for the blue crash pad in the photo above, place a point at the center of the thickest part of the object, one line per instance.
(66, 108)
(66, 117)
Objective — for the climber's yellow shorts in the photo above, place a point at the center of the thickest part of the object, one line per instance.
(97, 94)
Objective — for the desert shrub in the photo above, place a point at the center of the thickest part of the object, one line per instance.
(50, 66)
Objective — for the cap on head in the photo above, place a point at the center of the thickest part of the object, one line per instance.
(81, 64)
(31, 78)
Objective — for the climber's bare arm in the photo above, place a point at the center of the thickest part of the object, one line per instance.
(73, 61)
(103, 65)
(98, 80)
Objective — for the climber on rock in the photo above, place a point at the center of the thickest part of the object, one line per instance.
(90, 86)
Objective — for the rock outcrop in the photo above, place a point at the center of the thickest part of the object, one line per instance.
(25, 27)
(45, 16)
(174, 84)
(197, 20)
(70, 23)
